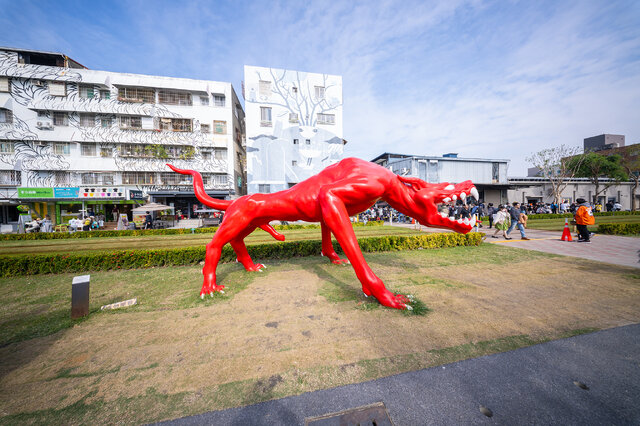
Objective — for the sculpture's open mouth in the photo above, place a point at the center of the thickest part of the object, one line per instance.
(449, 195)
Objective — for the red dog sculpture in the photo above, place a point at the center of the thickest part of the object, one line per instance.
(330, 197)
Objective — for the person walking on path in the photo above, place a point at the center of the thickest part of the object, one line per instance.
(517, 219)
(584, 217)
(501, 221)
(491, 211)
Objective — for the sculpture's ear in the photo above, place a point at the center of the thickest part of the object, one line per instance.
(415, 183)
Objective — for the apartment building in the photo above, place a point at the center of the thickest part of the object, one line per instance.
(70, 135)
(294, 126)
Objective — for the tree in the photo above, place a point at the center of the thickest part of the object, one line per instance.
(553, 165)
(631, 163)
(597, 166)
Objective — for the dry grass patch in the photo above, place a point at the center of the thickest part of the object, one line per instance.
(301, 326)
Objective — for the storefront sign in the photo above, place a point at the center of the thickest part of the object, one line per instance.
(100, 192)
(35, 192)
(66, 192)
(134, 194)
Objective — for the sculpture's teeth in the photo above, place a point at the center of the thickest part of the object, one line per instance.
(463, 196)
(466, 221)
(444, 214)
(459, 220)
(473, 221)
(449, 188)
(474, 193)
(446, 200)
(451, 218)
(454, 197)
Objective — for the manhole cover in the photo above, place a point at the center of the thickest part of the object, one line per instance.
(369, 415)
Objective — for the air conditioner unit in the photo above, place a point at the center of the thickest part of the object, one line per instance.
(44, 125)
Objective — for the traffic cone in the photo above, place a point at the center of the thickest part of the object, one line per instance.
(566, 233)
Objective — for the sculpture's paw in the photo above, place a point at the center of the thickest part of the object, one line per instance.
(256, 267)
(211, 290)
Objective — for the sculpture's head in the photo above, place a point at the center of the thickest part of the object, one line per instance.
(428, 199)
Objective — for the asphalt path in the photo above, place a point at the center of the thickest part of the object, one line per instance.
(592, 379)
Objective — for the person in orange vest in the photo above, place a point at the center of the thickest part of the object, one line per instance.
(583, 217)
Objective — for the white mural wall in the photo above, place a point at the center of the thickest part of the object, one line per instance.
(294, 126)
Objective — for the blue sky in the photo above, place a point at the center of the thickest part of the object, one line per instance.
(494, 79)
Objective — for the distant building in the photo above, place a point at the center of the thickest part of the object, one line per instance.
(601, 142)
(71, 136)
(488, 175)
(294, 126)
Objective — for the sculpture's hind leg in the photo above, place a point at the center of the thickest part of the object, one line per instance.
(327, 246)
(242, 254)
(228, 231)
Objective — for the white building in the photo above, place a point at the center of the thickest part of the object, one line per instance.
(70, 135)
(294, 126)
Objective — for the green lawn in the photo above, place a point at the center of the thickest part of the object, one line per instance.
(174, 241)
(558, 223)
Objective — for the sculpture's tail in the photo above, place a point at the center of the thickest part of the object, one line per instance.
(198, 188)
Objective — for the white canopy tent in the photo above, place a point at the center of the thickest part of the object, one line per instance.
(152, 207)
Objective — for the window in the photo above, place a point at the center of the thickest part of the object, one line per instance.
(265, 88)
(215, 180)
(265, 116)
(174, 97)
(105, 152)
(90, 178)
(60, 119)
(139, 178)
(218, 100)
(220, 154)
(88, 149)
(86, 92)
(206, 155)
(62, 148)
(319, 92)
(220, 127)
(295, 141)
(174, 124)
(264, 188)
(129, 122)
(106, 122)
(6, 116)
(294, 89)
(293, 117)
(6, 147)
(204, 100)
(307, 141)
(5, 85)
(495, 172)
(170, 178)
(61, 178)
(10, 177)
(57, 88)
(105, 94)
(205, 128)
(87, 120)
(294, 163)
(136, 94)
(108, 179)
(326, 118)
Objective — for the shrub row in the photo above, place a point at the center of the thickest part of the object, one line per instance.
(11, 266)
(619, 228)
(145, 232)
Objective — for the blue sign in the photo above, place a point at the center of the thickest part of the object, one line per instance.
(66, 192)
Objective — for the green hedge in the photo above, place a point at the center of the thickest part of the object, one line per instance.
(570, 215)
(619, 228)
(145, 232)
(11, 266)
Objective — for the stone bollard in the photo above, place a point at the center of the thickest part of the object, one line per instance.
(80, 296)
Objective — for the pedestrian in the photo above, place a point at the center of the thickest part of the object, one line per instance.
(148, 221)
(517, 219)
(584, 217)
(491, 211)
(501, 221)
